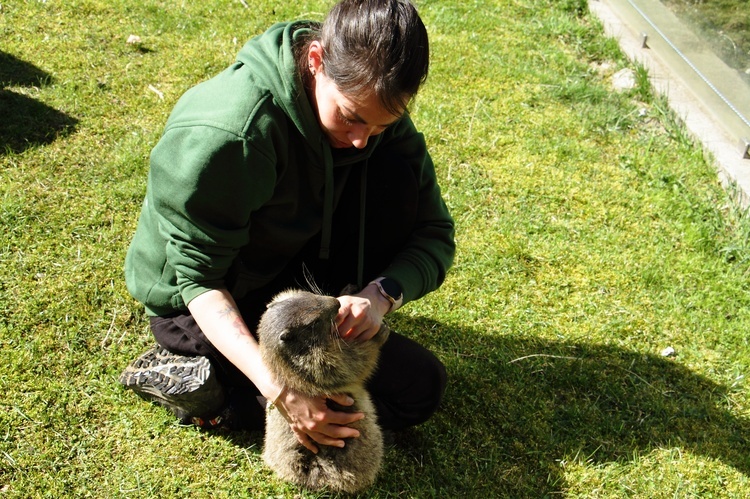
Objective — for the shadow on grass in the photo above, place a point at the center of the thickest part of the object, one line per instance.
(27, 122)
(516, 409)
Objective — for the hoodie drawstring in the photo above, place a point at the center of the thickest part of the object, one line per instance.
(361, 245)
(325, 237)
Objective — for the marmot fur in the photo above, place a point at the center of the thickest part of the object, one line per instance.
(304, 351)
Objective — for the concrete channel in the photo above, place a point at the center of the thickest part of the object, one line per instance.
(712, 99)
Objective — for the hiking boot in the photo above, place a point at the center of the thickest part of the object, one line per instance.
(187, 386)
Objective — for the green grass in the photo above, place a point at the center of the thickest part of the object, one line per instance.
(592, 234)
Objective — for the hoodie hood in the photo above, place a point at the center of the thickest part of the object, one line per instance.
(272, 56)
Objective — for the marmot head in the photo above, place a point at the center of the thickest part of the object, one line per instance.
(302, 346)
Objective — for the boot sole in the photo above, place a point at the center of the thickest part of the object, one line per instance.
(185, 385)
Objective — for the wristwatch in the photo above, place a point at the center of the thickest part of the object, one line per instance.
(391, 291)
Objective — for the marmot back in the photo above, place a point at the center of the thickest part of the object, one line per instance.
(305, 353)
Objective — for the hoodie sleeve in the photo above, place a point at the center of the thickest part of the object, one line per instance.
(421, 266)
(205, 182)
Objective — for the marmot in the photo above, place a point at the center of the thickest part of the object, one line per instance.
(302, 348)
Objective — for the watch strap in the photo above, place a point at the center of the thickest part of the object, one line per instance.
(396, 301)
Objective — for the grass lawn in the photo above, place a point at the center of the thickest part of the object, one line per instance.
(592, 235)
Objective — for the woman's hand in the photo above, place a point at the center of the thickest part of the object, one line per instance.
(312, 420)
(361, 315)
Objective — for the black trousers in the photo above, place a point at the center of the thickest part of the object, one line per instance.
(409, 382)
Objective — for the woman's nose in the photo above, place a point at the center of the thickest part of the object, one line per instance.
(359, 136)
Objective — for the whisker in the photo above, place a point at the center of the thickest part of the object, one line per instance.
(336, 335)
(310, 281)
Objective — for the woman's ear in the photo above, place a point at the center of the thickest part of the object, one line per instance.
(315, 57)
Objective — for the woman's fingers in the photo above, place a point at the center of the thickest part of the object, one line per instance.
(325, 426)
(305, 440)
(356, 320)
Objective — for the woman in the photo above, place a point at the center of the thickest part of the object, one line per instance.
(299, 163)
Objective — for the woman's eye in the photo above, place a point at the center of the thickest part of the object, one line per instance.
(344, 119)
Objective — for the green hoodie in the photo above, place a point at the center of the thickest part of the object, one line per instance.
(243, 178)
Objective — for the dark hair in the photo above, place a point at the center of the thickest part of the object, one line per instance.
(375, 46)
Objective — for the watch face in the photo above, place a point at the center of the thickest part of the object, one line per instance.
(392, 288)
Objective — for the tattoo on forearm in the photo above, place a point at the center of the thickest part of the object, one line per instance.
(238, 324)
(228, 312)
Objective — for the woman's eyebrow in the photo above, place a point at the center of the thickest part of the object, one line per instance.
(356, 117)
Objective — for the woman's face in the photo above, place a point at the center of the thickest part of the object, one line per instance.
(348, 121)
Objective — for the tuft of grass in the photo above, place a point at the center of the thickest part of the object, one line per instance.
(592, 234)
